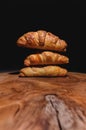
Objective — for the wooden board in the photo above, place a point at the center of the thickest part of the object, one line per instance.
(42, 103)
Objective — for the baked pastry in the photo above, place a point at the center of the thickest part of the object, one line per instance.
(42, 40)
(45, 58)
(43, 71)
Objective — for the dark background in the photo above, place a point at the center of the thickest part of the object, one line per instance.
(66, 19)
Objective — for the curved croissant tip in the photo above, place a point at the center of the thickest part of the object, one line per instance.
(21, 41)
(64, 42)
(68, 60)
(66, 72)
(21, 74)
(26, 62)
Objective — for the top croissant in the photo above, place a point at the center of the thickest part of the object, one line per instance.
(42, 39)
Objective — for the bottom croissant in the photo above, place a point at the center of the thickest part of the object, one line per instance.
(43, 71)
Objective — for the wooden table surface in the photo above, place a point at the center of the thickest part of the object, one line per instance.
(39, 103)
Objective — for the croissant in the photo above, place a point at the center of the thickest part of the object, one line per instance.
(42, 40)
(43, 71)
(45, 58)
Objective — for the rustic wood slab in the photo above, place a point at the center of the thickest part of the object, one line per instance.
(40, 103)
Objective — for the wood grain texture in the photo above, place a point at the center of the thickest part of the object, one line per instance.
(40, 103)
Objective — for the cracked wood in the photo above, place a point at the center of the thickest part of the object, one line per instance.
(40, 103)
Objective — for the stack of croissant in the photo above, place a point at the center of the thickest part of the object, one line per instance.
(47, 62)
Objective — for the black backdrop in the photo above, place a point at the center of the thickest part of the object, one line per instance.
(65, 19)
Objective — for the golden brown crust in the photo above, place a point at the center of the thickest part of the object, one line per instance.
(43, 71)
(42, 40)
(45, 58)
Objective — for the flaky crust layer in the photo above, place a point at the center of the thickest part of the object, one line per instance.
(42, 39)
(45, 58)
(43, 71)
